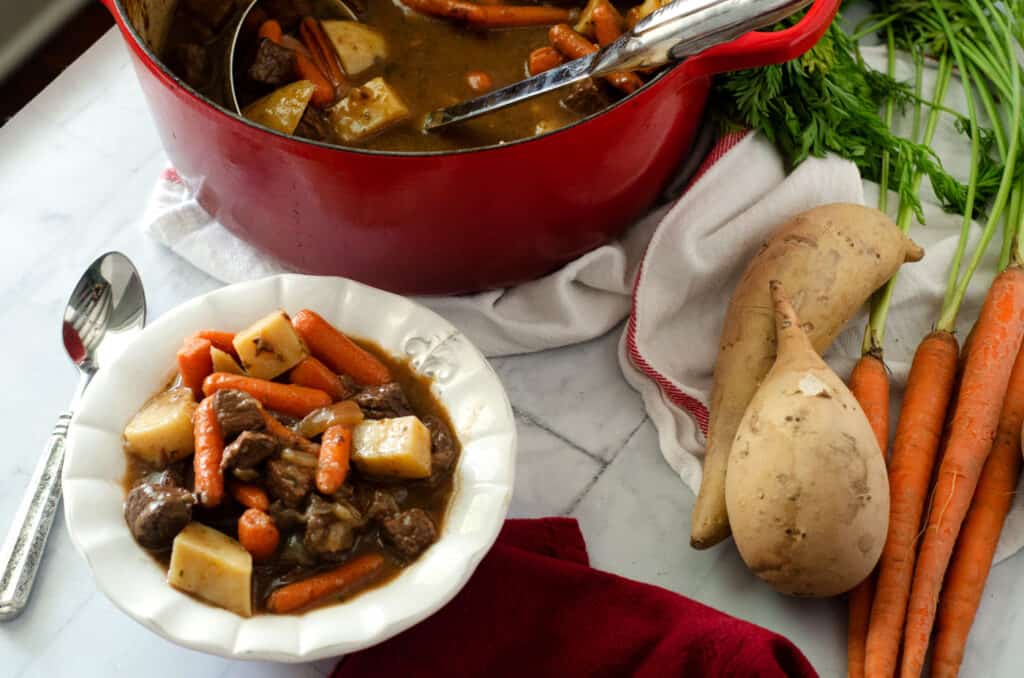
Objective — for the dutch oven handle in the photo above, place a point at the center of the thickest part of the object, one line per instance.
(759, 48)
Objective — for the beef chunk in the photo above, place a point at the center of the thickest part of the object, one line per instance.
(157, 512)
(249, 449)
(381, 505)
(286, 519)
(410, 532)
(273, 65)
(237, 411)
(192, 63)
(288, 482)
(315, 125)
(442, 444)
(586, 98)
(213, 13)
(383, 402)
(330, 527)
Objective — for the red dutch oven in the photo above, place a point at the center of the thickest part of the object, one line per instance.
(440, 223)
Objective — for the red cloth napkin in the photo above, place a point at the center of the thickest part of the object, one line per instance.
(535, 607)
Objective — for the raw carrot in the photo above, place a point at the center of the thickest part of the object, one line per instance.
(314, 374)
(300, 594)
(225, 341)
(999, 331)
(976, 547)
(574, 46)
(249, 495)
(332, 469)
(297, 401)
(209, 442)
(258, 534)
(544, 59)
(607, 23)
(869, 383)
(915, 446)
(271, 30)
(337, 351)
(287, 436)
(195, 364)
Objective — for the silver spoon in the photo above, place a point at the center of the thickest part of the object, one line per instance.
(341, 10)
(105, 312)
(679, 29)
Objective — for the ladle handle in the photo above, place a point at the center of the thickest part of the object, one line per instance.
(26, 539)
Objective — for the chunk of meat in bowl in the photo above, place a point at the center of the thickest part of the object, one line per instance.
(410, 532)
(156, 512)
(330, 527)
(248, 450)
(237, 411)
(273, 64)
(290, 483)
(386, 401)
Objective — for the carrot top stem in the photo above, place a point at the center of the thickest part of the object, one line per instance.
(874, 336)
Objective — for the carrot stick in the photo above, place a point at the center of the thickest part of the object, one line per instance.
(298, 401)
(999, 330)
(225, 341)
(869, 383)
(574, 46)
(337, 351)
(258, 534)
(335, 447)
(287, 436)
(271, 30)
(607, 23)
(314, 374)
(209, 442)
(507, 16)
(915, 446)
(976, 547)
(249, 495)
(544, 59)
(194, 364)
(300, 594)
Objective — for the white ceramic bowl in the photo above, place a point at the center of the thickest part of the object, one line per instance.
(463, 381)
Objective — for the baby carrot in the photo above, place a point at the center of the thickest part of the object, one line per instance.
(337, 351)
(314, 374)
(574, 46)
(258, 534)
(222, 340)
(607, 23)
(194, 364)
(986, 376)
(249, 495)
(271, 30)
(300, 594)
(544, 59)
(869, 383)
(209, 442)
(506, 16)
(332, 468)
(915, 446)
(297, 401)
(976, 547)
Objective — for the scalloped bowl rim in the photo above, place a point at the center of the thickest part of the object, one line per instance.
(463, 381)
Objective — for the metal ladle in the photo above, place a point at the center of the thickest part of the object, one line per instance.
(339, 9)
(679, 29)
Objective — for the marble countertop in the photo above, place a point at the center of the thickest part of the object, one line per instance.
(76, 167)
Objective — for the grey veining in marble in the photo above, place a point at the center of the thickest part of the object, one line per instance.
(76, 167)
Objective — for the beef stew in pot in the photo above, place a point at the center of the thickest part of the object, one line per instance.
(287, 466)
(303, 70)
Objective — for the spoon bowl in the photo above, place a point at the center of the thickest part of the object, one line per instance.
(106, 310)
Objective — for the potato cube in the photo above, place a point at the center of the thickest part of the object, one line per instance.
(359, 47)
(224, 362)
(270, 346)
(212, 566)
(395, 448)
(161, 432)
(283, 108)
(367, 110)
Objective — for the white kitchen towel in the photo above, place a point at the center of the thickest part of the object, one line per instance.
(671, 273)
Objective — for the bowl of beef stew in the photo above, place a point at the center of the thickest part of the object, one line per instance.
(289, 469)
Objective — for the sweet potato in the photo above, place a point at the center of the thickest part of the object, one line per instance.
(830, 259)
